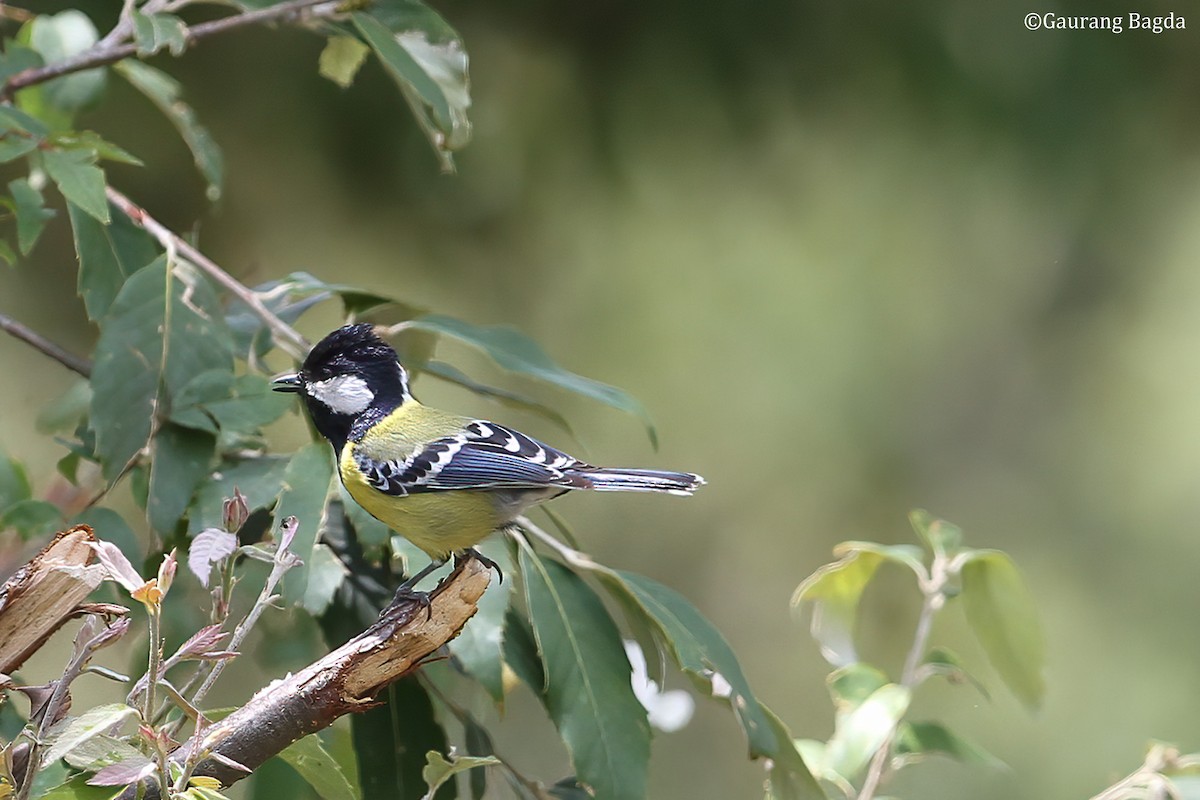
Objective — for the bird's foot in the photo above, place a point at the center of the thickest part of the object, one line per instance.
(407, 591)
(406, 595)
(471, 552)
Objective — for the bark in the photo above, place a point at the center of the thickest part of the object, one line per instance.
(342, 682)
(44, 594)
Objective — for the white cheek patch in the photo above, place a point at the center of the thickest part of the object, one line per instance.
(343, 394)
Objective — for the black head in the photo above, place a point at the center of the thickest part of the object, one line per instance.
(348, 373)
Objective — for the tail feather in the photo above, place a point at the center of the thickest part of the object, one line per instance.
(639, 480)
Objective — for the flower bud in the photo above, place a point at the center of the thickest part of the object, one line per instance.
(166, 572)
(235, 511)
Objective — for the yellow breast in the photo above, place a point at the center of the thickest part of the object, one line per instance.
(440, 523)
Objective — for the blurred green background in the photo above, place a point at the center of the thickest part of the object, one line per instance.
(854, 258)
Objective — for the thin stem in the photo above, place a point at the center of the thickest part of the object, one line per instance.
(154, 619)
(465, 717)
(1149, 776)
(935, 600)
(573, 557)
(104, 53)
(284, 560)
(289, 340)
(35, 340)
(50, 712)
(122, 28)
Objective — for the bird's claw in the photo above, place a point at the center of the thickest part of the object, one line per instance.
(471, 552)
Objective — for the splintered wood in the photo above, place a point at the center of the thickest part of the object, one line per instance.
(44, 594)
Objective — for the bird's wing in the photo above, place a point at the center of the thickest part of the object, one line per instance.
(483, 455)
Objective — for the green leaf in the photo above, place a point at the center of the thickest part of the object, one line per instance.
(790, 776)
(14, 482)
(31, 212)
(430, 68)
(438, 770)
(865, 729)
(101, 751)
(153, 32)
(700, 650)
(7, 254)
(309, 757)
(77, 789)
(163, 328)
(219, 400)
(108, 255)
(588, 691)
(1003, 615)
(478, 743)
(908, 555)
(305, 486)
(57, 37)
(92, 141)
(20, 134)
(79, 179)
(32, 519)
(391, 740)
(516, 352)
(92, 722)
(65, 411)
(341, 59)
(940, 536)
(520, 651)
(479, 647)
(834, 590)
(945, 662)
(355, 300)
(165, 92)
(181, 460)
(13, 118)
(850, 686)
(258, 479)
(16, 57)
(568, 789)
(325, 574)
(917, 739)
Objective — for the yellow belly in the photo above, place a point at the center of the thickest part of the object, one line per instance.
(440, 523)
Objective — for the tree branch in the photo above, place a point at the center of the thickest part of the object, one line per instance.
(103, 54)
(289, 340)
(39, 342)
(44, 593)
(342, 682)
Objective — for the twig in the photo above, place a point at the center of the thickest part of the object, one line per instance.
(1152, 778)
(35, 340)
(124, 23)
(154, 620)
(341, 682)
(90, 638)
(465, 717)
(573, 557)
(289, 340)
(103, 54)
(284, 561)
(935, 600)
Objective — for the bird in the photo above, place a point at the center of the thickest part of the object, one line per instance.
(443, 481)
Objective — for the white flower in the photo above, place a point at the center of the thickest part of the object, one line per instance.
(667, 711)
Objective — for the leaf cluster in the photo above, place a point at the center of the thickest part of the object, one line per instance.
(176, 410)
(874, 733)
